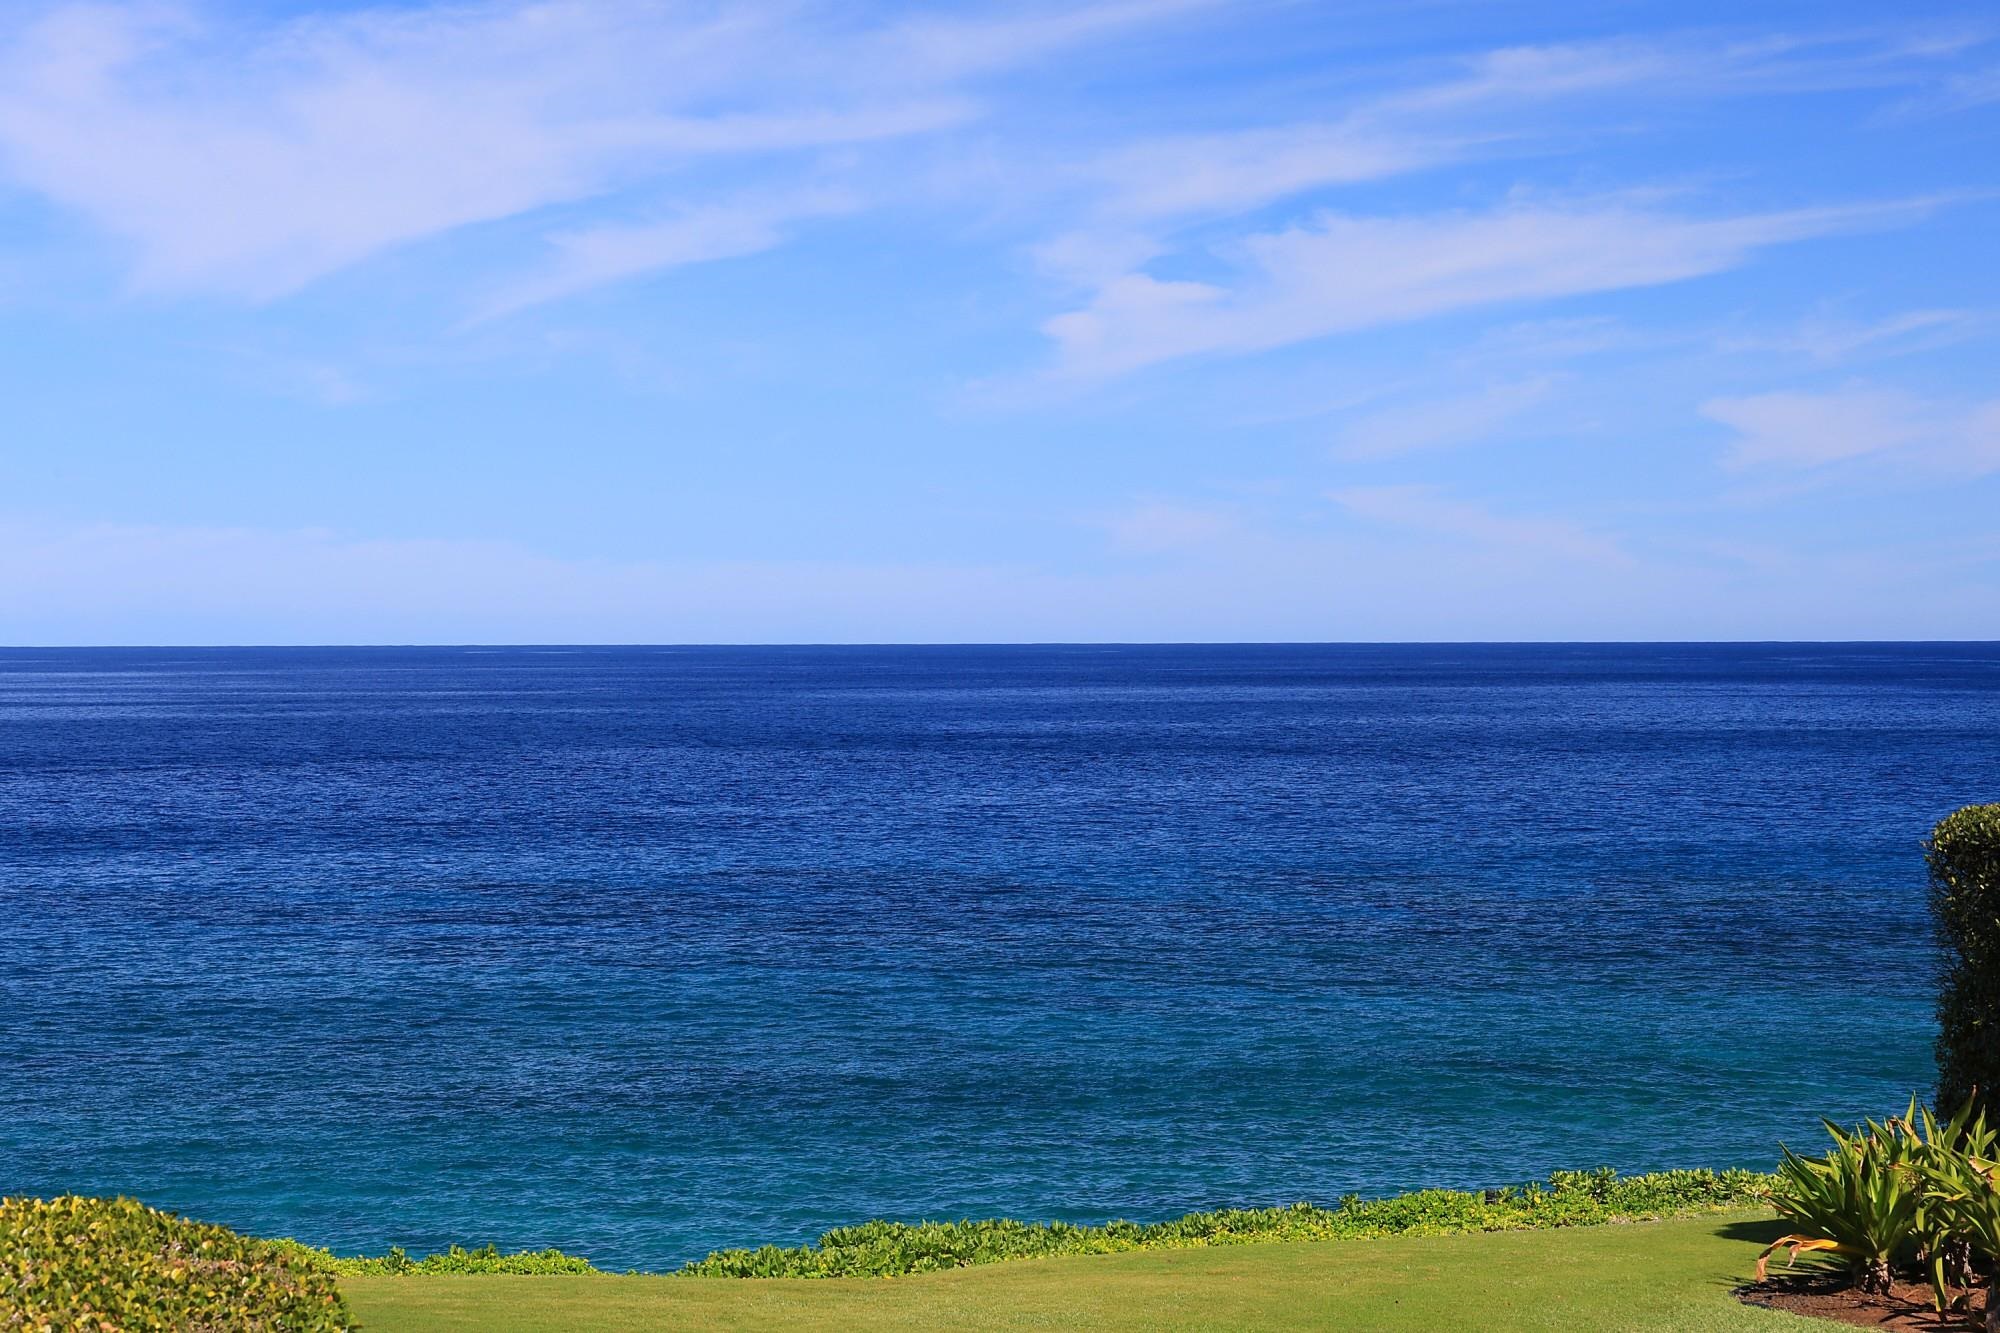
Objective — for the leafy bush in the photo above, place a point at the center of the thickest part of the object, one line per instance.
(1938, 1152)
(131, 1245)
(1569, 1198)
(1964, 857)
(397, 1262)
(1860, 1201)
(1963, 1190)
(117, 1266)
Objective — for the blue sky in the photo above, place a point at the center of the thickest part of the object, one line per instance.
(616, 321)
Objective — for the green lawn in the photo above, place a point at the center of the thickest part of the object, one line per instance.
(1640, 1276)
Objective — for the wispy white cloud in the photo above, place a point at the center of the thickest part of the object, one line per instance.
(1981, 88)
(1422, 509)
(1965, 90)
(1457, 419)
(1164, 525)
(254, 157)
(592, 257)
(1811, 430)
(958, 45)
(1806, 429)
(1828, 338)
(1339, 273)
(1234, 172)
(1141, 191)
(1470, 573)
(157, 583)
(252, 160)
(1556, 72)
(1511, 100)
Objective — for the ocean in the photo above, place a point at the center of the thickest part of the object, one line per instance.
(641, 952)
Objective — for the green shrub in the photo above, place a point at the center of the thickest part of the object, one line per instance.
(1938, 1152)
(1859, 1202)
(1964, 857)
(1569, 1198)
(105, 1265)
(1961, 1191)
(396, 1263)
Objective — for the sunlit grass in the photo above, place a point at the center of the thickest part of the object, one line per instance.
(1641, 1276)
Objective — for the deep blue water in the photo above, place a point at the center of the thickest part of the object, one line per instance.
(644, 951)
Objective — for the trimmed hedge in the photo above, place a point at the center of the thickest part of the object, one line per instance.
(1964, 858)
(1570, 1198)
(117, 1266)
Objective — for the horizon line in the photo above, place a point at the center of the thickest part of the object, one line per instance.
(583, 646)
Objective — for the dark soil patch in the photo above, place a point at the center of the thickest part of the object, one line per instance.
(1827, 1296)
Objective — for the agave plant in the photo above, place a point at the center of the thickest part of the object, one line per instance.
(1965, 1189)
(1859, 1202)
(1937, 1153)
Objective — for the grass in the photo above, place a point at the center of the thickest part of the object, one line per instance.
(1640, 1276)
(1569, 1198)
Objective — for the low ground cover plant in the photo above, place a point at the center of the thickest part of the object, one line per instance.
(463, 1262)
(117, 1266)
(889, 1249)
(1568, 1198)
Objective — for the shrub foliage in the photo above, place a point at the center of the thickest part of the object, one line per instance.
(463, 1262)
(1860, 1202)
(1962, 1189)
(130, 1267)
(1909, 1190)
(117, 1266)
(1569, 1198)
(1964, 856)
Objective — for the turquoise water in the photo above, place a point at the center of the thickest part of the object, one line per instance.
(641, 952)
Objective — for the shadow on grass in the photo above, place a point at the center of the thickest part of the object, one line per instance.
(1756, 1231)
(1760, 1232)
